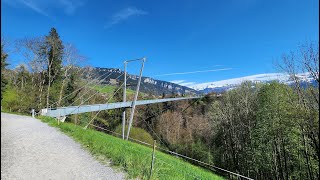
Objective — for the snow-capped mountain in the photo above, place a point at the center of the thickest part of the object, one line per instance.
(228, 84)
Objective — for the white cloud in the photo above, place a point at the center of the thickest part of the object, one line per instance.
(187, 84)
(70, 6)
(183, 82)
(193, 72)
(123, 15)
(34, 6)
(44, 7)
(178, 81)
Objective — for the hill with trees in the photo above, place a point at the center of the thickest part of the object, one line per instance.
(266, 131)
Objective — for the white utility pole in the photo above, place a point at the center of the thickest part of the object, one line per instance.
(135, 98)
(124, 99)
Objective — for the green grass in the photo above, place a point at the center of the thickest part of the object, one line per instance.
(111, 89)
(134, 159)
(17, 113)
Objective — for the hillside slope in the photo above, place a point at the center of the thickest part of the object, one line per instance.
(134, 158)
(148, 85)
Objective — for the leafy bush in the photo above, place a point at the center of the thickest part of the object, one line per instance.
(196, 150)
(137, 133)
(10, 100)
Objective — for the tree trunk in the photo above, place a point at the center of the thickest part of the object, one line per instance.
(48, 90)
(40, 91)
(305, 150)
(49, 80)
(286, 174)
(61, 90)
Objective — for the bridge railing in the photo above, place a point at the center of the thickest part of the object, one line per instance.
(63, 111)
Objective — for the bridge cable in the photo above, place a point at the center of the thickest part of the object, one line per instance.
(79, 89)
(83, 87)
(154, 115)
(171, 152)
(160, 139)
(105, 103)
(138, 141)
(93, 88)
(182, 171)
(210, 165)
(120, 135)
(88, 99)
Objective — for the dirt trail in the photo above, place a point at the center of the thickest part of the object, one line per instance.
(31, 149)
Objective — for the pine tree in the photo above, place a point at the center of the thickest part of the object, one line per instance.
(71, 86)
(54, 54)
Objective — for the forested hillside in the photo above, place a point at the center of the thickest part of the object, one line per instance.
(148, 85)
(266, 131)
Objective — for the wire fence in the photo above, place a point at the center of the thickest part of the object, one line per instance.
(147, 155)
(187, 172)
(159, 161)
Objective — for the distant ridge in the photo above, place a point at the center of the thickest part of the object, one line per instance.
(148, 85)
(225, 85)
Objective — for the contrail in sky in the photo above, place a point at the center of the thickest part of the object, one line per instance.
(193, 72)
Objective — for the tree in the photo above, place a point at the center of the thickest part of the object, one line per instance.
(70, 88)
(31, 50)
(232, 119)
(23, 88)
(71, 72)
(22, 76)
(281, 149)
(3, 65)
(306, 60)
(53, 51)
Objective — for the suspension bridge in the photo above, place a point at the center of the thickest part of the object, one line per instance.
(61, 112)
(64, 111)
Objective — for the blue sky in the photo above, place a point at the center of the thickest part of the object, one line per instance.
(210, 40)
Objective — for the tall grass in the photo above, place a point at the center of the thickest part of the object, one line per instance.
(134, 159)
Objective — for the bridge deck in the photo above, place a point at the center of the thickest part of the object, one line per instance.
(63, 111)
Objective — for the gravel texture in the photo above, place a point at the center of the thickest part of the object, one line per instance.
(31, 149)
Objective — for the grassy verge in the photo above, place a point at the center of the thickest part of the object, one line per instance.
(134, 159)
(17, 113)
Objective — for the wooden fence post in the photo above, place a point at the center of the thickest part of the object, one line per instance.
(32, 111)
(59, 118)
(153, 154)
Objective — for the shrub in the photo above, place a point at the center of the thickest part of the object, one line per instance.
(137, 133)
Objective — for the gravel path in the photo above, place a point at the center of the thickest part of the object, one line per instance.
(31, 149)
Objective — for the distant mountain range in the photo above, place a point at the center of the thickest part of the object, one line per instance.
(225, 85)
(159, 87)
(148, 85)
